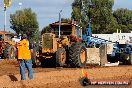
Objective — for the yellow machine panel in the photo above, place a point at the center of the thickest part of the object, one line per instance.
(49, 44)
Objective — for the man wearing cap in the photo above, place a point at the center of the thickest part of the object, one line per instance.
(24, 56)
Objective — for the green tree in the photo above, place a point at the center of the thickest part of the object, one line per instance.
(100, 13)
(123, 16)
(112, 27)
(46, 29)
(129, 27)
(124, 19)
(25, 22)
(65, 20)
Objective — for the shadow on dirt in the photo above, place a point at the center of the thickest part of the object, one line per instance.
(13, 78)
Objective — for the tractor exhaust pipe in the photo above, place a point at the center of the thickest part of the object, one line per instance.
(59, 22)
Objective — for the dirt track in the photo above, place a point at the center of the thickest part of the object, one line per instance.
(59, 77)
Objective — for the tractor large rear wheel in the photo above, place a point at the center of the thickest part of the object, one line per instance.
(60, 57)
(9, 52)
(78, 55)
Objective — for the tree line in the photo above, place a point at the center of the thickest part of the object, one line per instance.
(99, 12)
(103, 18)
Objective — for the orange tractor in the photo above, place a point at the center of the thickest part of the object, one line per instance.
(7, 47)
(63, 47)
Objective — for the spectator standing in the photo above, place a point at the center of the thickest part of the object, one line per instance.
(24, 56)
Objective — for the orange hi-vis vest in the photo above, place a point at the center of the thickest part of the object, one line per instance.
(23, 50)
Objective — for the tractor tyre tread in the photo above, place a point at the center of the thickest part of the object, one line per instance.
(74, 55)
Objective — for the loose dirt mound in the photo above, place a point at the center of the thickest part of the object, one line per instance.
(59, 77)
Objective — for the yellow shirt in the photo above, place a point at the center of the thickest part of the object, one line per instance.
(23, 50)
(19, 53)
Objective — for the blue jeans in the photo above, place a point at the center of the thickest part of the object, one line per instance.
(26, 64)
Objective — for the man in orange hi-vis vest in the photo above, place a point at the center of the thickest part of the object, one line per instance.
(24, 56)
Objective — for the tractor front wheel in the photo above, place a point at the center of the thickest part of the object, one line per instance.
(9, 52)
(60, 57)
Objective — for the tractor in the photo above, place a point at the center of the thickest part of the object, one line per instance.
(7, 47)
(64, 47)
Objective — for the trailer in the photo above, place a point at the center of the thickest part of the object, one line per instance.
(119, 50)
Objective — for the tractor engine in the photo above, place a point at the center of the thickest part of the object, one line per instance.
(49, 44)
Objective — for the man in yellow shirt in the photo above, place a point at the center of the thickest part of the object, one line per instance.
(24, 55)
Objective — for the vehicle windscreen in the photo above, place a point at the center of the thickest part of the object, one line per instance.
(64, 30)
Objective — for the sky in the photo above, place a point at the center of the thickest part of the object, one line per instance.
(48, 10)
